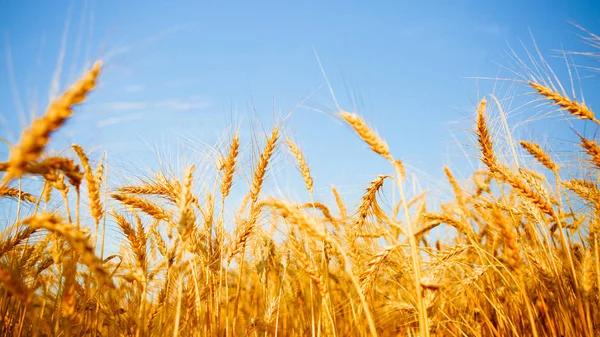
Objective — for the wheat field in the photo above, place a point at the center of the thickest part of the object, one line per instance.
(525, 260)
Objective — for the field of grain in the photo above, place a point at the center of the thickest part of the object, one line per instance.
(525, 260)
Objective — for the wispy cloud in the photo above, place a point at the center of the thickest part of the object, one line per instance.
(125, 106)
(182, 82)
(125, 49)
(177, 104)
(119, 119)
(174, 104)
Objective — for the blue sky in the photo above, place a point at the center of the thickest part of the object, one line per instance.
(180, 72)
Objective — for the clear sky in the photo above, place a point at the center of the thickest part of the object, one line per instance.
(180, 72)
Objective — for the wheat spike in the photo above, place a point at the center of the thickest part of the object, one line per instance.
(229, 166)
(512, 256)
(184, 203)
(575, 108)
(485, 140)
(16, 194)
(436, 219)
(369, 202)
(138, 247)
(539, 154)
(36, 137)
(302, 164)
(145, 206)
(263, 162)
(297, 217)
(243, 233)
(78, 241)
(367, 277)
(523, 189)
(308, 266)
(50, 165)
(339, 202)
(12, 242)
(367, 134)
(592, 149)
(458, 192)
(322, 207)
(93, 184)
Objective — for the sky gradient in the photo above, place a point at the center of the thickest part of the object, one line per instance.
(182, 73)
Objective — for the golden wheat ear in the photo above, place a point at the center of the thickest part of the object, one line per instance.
(302, 164)
(36, 137)
(540, 155)
(592, 149)
(484, 138)
(263, 162)
(573, 107)
(367, 134)
(229, 166)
